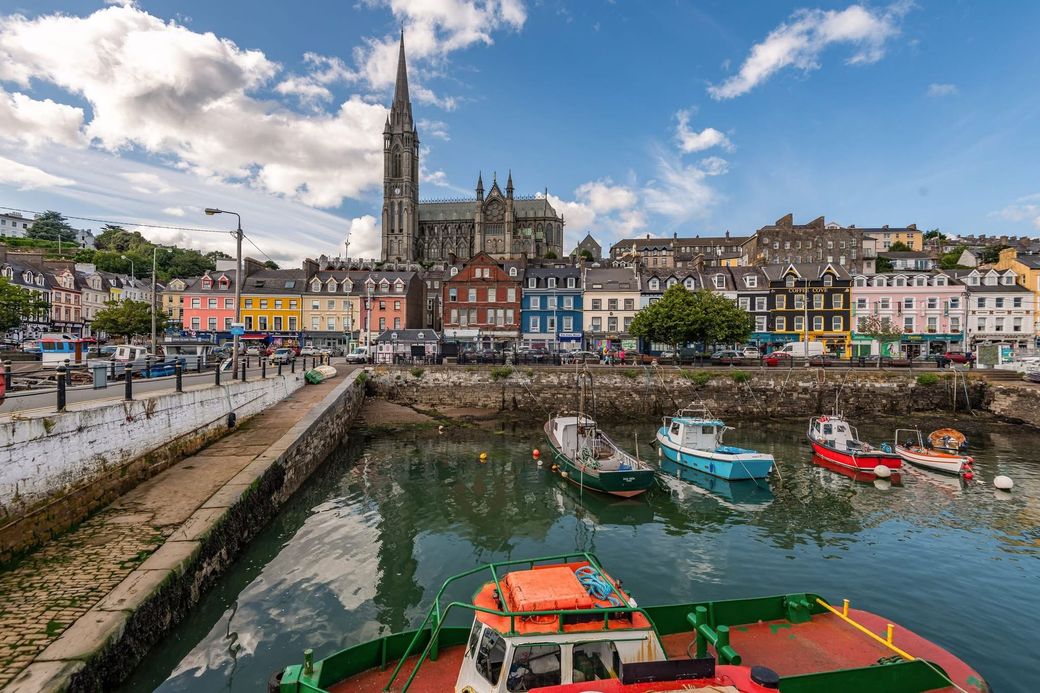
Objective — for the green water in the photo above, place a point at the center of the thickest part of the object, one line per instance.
(361, 550)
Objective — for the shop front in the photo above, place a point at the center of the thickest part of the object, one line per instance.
(927, 345)
(569, 341)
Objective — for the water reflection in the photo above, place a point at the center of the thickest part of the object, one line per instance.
(362, 549)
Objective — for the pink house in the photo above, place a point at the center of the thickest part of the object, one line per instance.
(209, 303)
(930, 309)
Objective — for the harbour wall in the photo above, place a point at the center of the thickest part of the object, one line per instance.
(58, 468)
(624, 393)
(103, 646)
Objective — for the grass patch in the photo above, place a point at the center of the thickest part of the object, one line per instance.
(740, 376)
(501, 372)
(927, 379)
(699, 378)
(630, 373)
(54, 627)
(417, 373)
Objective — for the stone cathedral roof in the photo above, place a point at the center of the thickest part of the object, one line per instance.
(462, 210)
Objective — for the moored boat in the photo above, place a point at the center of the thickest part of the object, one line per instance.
(836, 441)
(563, 624)
(587, 457)
(910, 447)
(948, 440)
(693, 438)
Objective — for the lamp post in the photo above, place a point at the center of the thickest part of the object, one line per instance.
(805, 319)
(132, 273)
(210, 211)
(155, 250)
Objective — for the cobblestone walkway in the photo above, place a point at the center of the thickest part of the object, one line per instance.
(46, 592)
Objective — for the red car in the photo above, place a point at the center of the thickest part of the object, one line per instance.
(778, 358)
(959, 356)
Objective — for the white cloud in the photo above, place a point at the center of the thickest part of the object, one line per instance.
(176, 93)
(937, 89)
(309, 92)
(601, 207)
(603, 197)
(28, 177)
(714, 166)
(693, 141)
(27, 121)
(435, 129)
(801, 40)
(438, 178)
(174, 211)
(1024, 209)
(679, 192)
(364, 237)
(147, 183)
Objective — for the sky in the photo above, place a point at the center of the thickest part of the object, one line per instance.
(637, 117)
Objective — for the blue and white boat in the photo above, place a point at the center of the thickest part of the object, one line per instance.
(693, 438)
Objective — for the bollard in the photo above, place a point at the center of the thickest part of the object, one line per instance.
(243, 372)
(198, 364)
(112, 370)
(279, 368)
(61, 387)
(7, 375)
(178, 372)
(128, 385)
(216, 376)
(292, 366)
(68, 373)
(263, 368)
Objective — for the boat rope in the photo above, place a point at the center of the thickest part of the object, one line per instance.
(527, 387)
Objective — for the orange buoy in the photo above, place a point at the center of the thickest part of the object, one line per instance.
(536, 453)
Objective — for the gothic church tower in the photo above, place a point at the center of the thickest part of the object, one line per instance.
(400, 228)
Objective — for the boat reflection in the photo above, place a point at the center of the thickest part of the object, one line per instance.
(746, 494)
(601, 509)
(858, 476)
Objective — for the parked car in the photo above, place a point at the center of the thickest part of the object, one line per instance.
(579, 357)
(823, 360)
(727, 356)
(359, 355)
(31, 345)
(778, 358)
(255, 351)
(283, 355)
(751, 352)
(534, 355)
(959, 356)
(309, 351)
(873, 359)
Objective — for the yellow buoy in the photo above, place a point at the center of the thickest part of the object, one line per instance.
(483, 457)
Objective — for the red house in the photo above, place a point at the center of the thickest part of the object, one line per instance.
(481, 301)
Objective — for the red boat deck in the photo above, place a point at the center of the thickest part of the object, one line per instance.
(827, 643)
(433, 677)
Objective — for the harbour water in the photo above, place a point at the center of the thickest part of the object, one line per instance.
(362, 549)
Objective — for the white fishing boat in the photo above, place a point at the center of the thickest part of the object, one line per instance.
(910, 446)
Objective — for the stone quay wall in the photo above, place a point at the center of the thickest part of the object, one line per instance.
(58, 468)
(626, 392)
(161, 592)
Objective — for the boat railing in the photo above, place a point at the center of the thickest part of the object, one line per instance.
(436, 616)
(911, 434)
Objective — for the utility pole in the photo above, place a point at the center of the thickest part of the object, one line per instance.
(239, 279)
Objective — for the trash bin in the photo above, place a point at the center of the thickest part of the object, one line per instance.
(100, 376)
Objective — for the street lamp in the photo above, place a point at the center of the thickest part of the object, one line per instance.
(210, 211)
(132, 273)
(155, 250)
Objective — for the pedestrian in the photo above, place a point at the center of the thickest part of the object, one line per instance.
(621, 356)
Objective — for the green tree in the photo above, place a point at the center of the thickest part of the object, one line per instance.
(128, 318)
(550, 255)
(882, 330)
(882, 265)
(934, 233)
(949, 260)
(991, 253)
(587, 254)
(53, 226)
(18, 305)
(118, 239)
(271, 264)
(899, 247)
(681, 317)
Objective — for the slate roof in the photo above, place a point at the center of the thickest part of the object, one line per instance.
(611, 279)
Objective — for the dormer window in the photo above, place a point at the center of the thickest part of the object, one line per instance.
(330, 285)
(571, 283)
(789, 281)
(454, 271)
(751, 281)
(347, 286)
(512, 271)
(1008, 280)
(532, 283)
(861, 281)
(399, 287)
(223, 283)
(719, 281)
(39, 280)
(27, 277)
(207, 283)
(552, 282)
(940, 281)
(688, 283)
(655, 284)
(316, 285)
(828, 280)
(384, 285)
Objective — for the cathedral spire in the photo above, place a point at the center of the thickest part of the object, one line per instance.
(509, 184)
(402, 106)
(480, 185)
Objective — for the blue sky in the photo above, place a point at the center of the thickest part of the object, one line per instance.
(638, 117)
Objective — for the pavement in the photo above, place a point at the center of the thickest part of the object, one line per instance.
(46, 593)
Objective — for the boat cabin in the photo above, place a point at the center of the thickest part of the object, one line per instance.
(129, 352)
(55, 351)
(835, 432)
(557, 631)
(190, 352)
(695, 432)
(573, 432)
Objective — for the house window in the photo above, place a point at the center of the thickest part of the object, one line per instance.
(744, 303)
(471, 295)
(212, 324)
(550, 302)
(511, 295)
(933, 303)
(512, 271)
(397, 323)
(330, 323)
(196, 302)
(492, 294)
(760, 323)
(229, 303)
(781, 302)
(532, 283)
(454, 316)
(261, 322)
(1016, 302)
(536, 303)
(611, 324)
(933, 324)
(789, 281)
(552, 282)
(861, 304)
(571, 282)
(817, 323)
(760, 303)
(654, 285)
(884, 303)
(751, 281)
(249, 322)
(568, 324)
(597, 304)
(799, 323)
(630, 304)
(453, 295)
(612, 304)
(550, 325)
(781, 324)
(382, 324)
(828, 280)
(568, 303)
(1016, 325)
(277, 322)
(837, 324)
(981, 325)
(195, 323)
(999, 301)
(908, 323)
(719, 281)
(955, 324)
(315, 322)
(799, 301)
(981, 302)
(998, 325)
(249, 303)
(817, 301)
(908, 303)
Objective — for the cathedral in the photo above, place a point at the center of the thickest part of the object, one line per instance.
(505, 225)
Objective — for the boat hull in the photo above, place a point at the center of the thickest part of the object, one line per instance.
(936, 461)
(732, 467)
(857, 461)
(623, 484)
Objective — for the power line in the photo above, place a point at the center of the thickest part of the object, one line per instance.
(259, 249)
(110, 222)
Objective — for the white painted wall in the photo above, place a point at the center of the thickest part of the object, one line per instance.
(45, 454)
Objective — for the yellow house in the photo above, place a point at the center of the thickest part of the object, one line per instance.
(1027, 268)
(272, 304)
(909, 236)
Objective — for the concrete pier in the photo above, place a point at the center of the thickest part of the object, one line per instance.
(80, 612)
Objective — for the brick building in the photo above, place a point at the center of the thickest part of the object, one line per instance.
(481, 300)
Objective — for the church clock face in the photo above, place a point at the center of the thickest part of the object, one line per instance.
(397, 191)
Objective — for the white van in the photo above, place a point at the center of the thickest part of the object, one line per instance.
(803, 349)
(360, 355)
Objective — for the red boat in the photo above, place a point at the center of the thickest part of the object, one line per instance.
(836, 441)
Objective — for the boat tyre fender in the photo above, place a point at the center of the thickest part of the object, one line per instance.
(274, 683)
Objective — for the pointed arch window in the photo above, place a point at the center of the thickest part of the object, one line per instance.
(395, 162)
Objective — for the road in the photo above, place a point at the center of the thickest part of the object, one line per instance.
(47, 399)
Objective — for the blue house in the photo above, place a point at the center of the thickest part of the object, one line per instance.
(550, 313)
